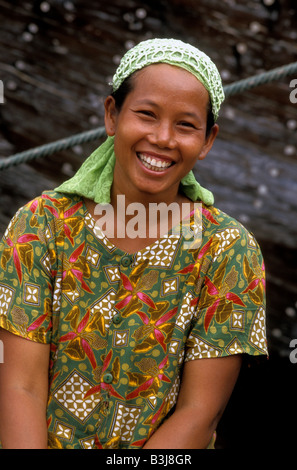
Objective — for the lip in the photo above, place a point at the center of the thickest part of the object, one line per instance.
(157, 156)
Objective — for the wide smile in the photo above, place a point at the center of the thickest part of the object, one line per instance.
(154, 163)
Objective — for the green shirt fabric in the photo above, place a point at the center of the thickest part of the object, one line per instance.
(121, 326)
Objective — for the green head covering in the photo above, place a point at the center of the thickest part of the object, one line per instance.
(94, 178)
(178, 53)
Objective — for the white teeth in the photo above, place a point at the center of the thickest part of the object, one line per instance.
(153, 164)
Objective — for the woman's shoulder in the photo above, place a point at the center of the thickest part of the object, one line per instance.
(60, 200)
(44, 211)
(53, 204)
(216, 220)
(226, 230)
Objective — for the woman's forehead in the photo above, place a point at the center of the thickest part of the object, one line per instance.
(170, 78)
(174, 52)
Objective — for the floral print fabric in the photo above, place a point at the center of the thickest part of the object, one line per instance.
(121, 326)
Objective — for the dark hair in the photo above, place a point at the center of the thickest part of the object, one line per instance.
(127, 86)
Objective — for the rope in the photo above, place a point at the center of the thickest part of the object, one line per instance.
(88, 136)
(260, 79)
(52, 147)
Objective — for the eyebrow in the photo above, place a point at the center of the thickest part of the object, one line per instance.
(146, 101)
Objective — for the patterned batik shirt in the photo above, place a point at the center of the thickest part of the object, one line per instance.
(120, 326)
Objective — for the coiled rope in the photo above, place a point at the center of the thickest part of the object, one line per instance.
(88, 136)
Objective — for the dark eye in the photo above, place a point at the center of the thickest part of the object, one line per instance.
(146, 112)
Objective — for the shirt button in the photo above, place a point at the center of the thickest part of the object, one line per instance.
(126, 261)
(108, 378)
(117, 319)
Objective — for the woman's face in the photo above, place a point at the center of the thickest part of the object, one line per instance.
(160, 132)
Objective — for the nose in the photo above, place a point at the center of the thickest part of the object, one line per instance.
(163, 135)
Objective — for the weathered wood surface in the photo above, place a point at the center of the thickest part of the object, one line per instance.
(57, 57)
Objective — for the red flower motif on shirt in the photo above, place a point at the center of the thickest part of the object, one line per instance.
(75, 268)
(132, 288)
(19, 247)
(36, 325)
(218, 293)
(148, 382)
(157, 328)
(79, 342)
(70, 224)
(255, 275)
(115, 370)
(209, 216)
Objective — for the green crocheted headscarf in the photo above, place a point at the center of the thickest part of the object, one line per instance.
(94, 178)
(178, 53)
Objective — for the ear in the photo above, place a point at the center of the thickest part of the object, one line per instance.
(209, 141)
(110, 115)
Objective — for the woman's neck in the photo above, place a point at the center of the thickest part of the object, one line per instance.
(133, 225)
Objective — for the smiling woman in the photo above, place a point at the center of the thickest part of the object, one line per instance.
(141, 337)
(159, 133)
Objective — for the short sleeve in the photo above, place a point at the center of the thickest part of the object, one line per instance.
(26, 275)
(230, 316)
